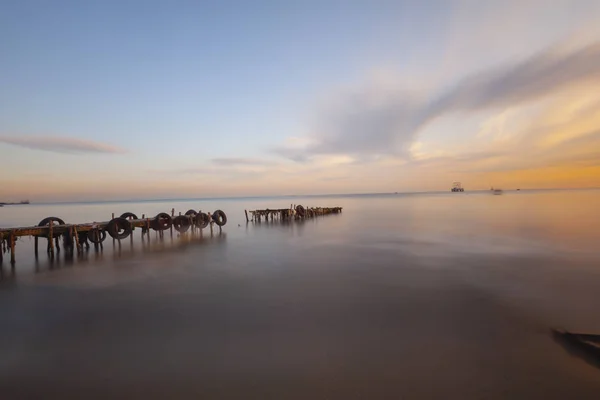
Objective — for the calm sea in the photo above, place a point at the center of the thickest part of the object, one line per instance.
(433, 295)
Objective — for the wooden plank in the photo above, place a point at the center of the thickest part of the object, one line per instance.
(61, 229)
(12, 249)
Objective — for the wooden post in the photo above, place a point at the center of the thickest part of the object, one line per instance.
(143, 217)
(148, 228)
(69, 242)
(12, 247)
(76, 236)
(96, 238)
(35, 240)
(246, 212)
(50, 237)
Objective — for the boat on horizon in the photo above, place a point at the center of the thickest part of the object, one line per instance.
(13, 204)
(457, 187)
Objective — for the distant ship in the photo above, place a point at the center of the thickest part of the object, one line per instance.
(12, 204)
(457, 187)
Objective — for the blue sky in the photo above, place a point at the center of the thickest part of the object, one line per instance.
(172, 99)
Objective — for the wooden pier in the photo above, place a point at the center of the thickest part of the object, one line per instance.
(119, 228)
(294, 212)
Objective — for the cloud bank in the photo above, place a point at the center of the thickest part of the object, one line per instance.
(62, 145)
(370, 122)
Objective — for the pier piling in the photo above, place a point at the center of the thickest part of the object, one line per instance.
(55, 229)
(12, 248)
(50, 242)
(294, 212)
(76, 237)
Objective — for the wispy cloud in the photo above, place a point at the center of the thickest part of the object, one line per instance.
(61, 144)
(208, 172)
(371, 122)
(335, 178)
(224, 166)
(520, 154)
(237, 161)
(543, 73)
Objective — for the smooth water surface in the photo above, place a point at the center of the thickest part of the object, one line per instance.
(447, 295)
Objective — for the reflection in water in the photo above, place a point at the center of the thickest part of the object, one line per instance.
(146, 245)
(420, 296)
(295, 226)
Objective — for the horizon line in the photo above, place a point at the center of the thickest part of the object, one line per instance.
(297, 195)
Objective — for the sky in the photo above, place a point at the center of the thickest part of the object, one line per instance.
(172, 99)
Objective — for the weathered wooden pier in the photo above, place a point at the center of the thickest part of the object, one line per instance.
(78, 236)
(294, 212)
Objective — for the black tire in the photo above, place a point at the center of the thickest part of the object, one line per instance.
(219, 217)
(119, 228)
(128, 215)
(162, 222)
(300, 210)
(46, 222)
(92, 236)
(191, 213)
(181, 223)
(202, 220)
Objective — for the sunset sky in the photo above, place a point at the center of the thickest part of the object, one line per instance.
(173, 99)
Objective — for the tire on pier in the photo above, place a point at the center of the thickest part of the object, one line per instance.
(300, 210)
(182, 223)
(119, 228)
(193, 214)
(128, 215)
(46, 222)
(96, 236)
(202, 220)
(219, 217)
(162, 222)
